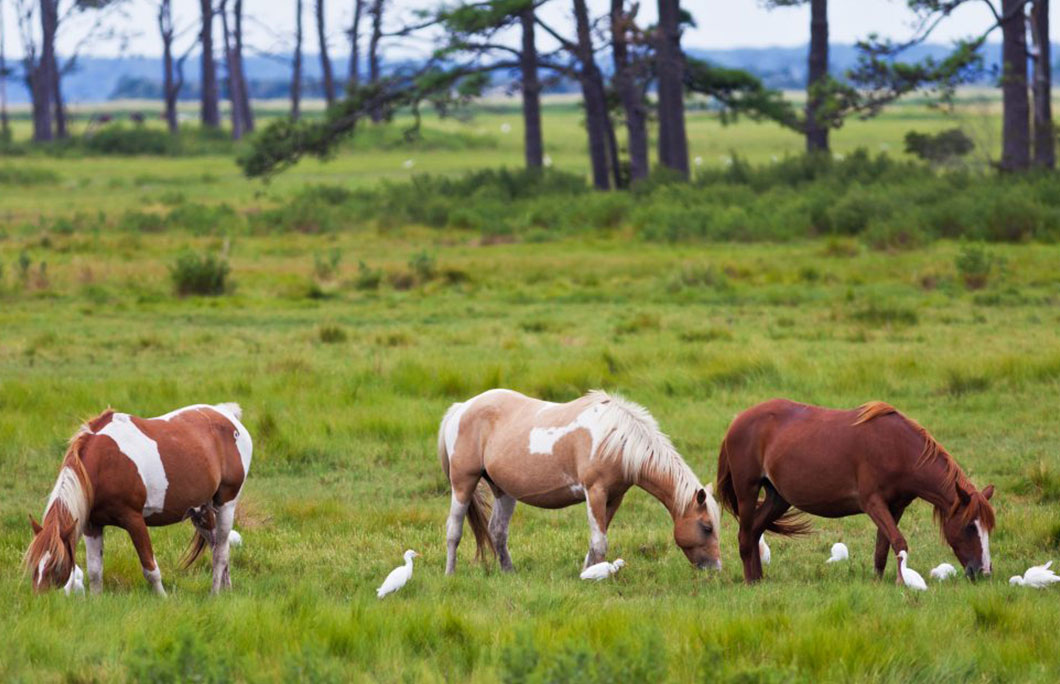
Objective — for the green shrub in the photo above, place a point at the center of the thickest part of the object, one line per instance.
(367, 278)
(939, 148)
(974, 265)
(195, 274)
(116, 139)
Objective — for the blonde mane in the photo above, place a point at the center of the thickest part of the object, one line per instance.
(633, 438)
(953, 476)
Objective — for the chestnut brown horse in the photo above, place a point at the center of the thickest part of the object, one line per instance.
(549, 455)
(835, 463)
(133, 473)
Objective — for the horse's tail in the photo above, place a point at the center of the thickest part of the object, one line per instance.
(790, 524)
(725, 491)
(194, 550)
(478, 510)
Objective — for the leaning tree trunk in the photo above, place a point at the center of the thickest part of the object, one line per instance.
(673, 143)
(373, 52)
(325, 61)
(632, 103)
(354, 75)
(43, 74)
(817, 130)
(1015, 131)
(169, 91)
(1044, 134)
(234, 98)
(533, 146)
(210, 111)
(296, 70)
(241, 73)
(593, 96)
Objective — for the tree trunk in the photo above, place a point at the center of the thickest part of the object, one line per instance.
(817, 131)
(61, 131)
(325, 61)
(169, 94)
(354, 76)
(373, 51)
(5, 124)
(632, 103)
(210, 112)
(593, 96)
(673, 143)
(1044, 134)
(1015, 131)
(44, 77)
(244, 90)
(234, 98)
(533, 146)
(296, 71)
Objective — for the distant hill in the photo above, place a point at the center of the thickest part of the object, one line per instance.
(100, 79)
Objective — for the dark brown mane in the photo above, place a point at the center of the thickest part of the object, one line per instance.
(978, 506)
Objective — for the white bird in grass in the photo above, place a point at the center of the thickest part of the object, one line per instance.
(398, 576)
(602, 570)
(76, 583)
(943, 571)
(1039, 577)
(910, 577)
(235, 538)
(763, 550)
(839, 553)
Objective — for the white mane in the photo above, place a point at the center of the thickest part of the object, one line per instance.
(69, 492)
(634, 439)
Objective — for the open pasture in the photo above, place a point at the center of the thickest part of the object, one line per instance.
(343, 383)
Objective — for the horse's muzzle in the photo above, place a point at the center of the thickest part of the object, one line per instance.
(710, 565)
(973, 572)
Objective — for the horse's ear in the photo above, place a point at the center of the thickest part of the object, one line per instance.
(37, 529)
(710, 488)
(67, 531)
(964, 496)
(989, 491)
(701, 496)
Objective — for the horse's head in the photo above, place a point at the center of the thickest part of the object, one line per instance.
(696, 530)
(50, 556)
(967, 526)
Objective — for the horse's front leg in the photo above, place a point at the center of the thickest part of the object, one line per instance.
(94, 558)
(882, 543)
(137, 529)
(596, 507)
(880, 513)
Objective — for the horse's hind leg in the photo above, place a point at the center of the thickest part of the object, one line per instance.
(137, 529)
(503, 508)
(225, 518)
(454, 525)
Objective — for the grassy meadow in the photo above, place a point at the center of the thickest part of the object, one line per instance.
(345, 347)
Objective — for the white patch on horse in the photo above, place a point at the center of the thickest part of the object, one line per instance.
(451, 421)
(597, 538)
(543, 439)
(40, 566)
(244, 445)
(984, 541)
(70, 493)
(143, 452)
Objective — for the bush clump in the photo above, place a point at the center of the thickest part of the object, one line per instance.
(199, 274)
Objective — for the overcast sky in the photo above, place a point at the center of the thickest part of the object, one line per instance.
(721, 23)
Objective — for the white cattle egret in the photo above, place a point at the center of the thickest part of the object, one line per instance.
(408, 163)
(235, 538)
(910, 577)
(398, 576)
(943, 571)
(602, 570)
(839, 553)
(506, 128)
(76, 583)
(1039, 577)
(763, 550)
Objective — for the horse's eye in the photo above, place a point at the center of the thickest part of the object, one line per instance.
(708, 529)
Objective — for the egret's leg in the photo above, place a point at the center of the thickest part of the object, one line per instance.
(503, 508)
(137, 529)
(225, 518)
(596, 508)
(94, 558)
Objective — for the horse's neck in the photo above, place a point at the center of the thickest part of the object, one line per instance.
(662, 487)
(933, 484)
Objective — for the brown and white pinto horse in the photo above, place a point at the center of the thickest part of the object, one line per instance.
(550, 455)
(836, 463)
(133, 473)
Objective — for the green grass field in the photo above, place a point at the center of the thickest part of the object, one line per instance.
(343, 389)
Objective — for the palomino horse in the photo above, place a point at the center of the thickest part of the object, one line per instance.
(552, 455)
(835, 463)
(133, 473)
